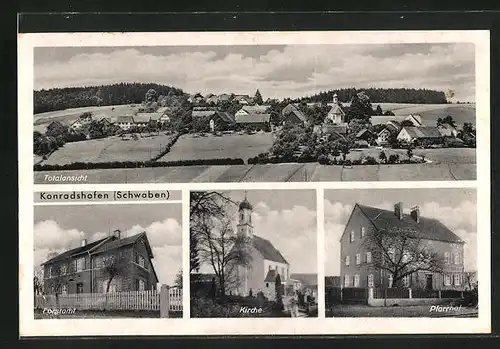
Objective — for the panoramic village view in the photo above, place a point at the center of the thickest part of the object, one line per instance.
(252, 114)
(401, 253)
(253, 254)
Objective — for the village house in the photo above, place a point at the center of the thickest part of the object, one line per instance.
(447, 130)
(365, 134)
(86, 269)
(254, 121)
(125, 122)
(83, 120)
(415, 119)
(195, 98)
(424, 134)
(266, 262)
(251, 109)
(209, 118)
(294, 116)
(243, 99)
(357, 256)
(56, 128)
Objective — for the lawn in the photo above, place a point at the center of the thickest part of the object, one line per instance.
(110, 149)
(192, 147)
(401, 311)
(448, 155)
(67, 116)
(373, 152)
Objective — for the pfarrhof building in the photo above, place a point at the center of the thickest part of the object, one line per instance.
(357, 257)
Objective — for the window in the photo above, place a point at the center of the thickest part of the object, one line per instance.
(64, 289)
(368, 257)
(141, 285)
(346, 280)
(347, 261)
(358, 258)
(351, 238)
(370, 280)
(457, 258)
(64, 269)
(447, 280)
(356, 280)
(447, 257)
(362, 232)
(80, 264)
(141, 261)
(406, 281)
(456, 279)
(267, 284)
(241, 216)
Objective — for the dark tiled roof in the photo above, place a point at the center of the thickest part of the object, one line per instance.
(226, 116)
(307, 279)
(271, 276)
(423, 132)
(125, 119)
(427, 228)
(255, 109)
(267, 250)
(293, 109)
(362, 132)
(253, 118)
(75, 251)
(116, 243)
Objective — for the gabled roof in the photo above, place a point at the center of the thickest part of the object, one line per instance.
(271, 276)
(142, 117)
(362, 132)
(255, 109)
(116, 243)
(125, 119)
(391, 127)
(423, 132)
(267, 250)
(290, 108)
(163, 110)
(337, 110)
(253, 118)
(76, 251)
(415, 118)
(428, 228)
(308, 279)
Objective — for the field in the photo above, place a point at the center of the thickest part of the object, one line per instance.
(429, 112)
(191, 147)
(448, 155)
(67, 116)
(109, 149)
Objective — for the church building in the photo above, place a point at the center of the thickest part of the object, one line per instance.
(335, 121)
(266, 261)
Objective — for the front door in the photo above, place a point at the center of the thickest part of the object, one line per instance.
(79, 287)
(428, 283)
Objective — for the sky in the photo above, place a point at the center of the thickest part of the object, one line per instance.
(278, 71)
(62, 227)
(455, 208)
(288, 219)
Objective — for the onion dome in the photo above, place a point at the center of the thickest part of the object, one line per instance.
(245, 205)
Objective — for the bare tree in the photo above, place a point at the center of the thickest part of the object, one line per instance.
(401, 252)
(115, 262)
(204, 206)
(469, 279)
(178, 279)
(223, 250)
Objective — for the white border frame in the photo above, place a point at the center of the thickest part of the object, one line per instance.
(248, 326)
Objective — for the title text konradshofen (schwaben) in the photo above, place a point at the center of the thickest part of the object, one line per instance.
(96, 195)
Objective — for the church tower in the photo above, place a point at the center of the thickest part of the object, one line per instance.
(245, 226)
(335, 99)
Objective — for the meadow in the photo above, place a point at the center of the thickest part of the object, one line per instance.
(109, 150)
(192, 146)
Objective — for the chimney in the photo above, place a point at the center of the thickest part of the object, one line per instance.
(84, 242)
(117, 233)
(415, 214)
(398, 210)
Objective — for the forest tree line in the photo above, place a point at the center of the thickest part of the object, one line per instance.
(381, 95)
(90, 96)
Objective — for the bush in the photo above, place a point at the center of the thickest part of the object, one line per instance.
(347, 162)
(393, 159)
(370, 160)
(137, 164)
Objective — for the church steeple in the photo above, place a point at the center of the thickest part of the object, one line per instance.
(335, 98)
(245, 226)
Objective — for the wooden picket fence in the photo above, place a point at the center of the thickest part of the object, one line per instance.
(132, 300)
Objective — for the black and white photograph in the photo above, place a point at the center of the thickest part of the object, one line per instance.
(107, 261)
(401, 253)
(253, 253)
(255, 113)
